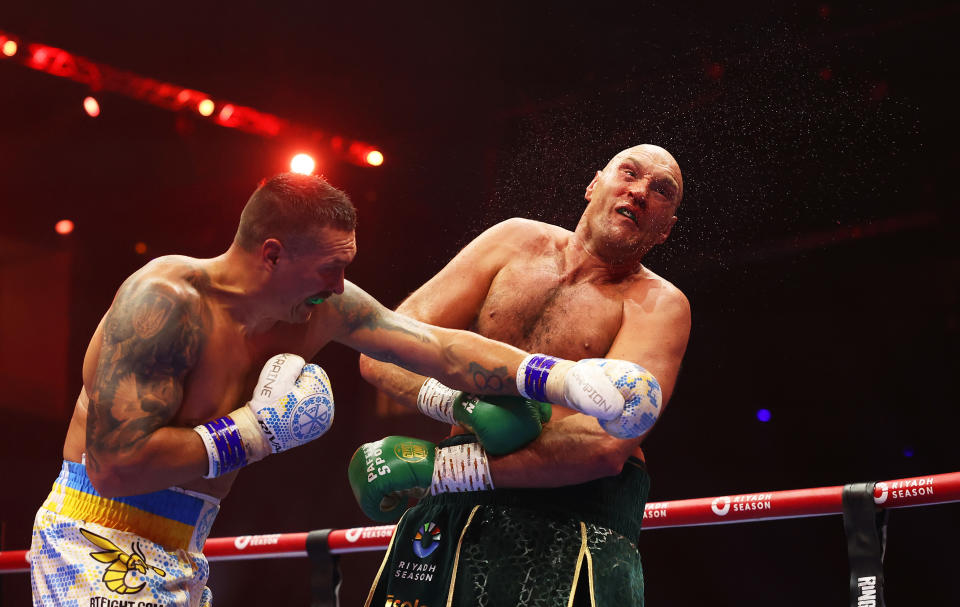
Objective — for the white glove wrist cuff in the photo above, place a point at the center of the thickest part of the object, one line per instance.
(254, 441)
(225, 448)
(436, 400)
(461, 468)
(541, 377)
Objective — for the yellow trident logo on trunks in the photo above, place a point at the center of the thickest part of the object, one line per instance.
(121, 563)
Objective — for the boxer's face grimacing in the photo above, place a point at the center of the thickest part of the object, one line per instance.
(315, 271)
(632, 201)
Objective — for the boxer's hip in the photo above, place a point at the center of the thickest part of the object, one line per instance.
(173, 518)
(616, 502)
(97, 550)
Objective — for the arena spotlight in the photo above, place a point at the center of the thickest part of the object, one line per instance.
(374, 158)
(91, 107)
(205, 107)
(226, 112)
(303, 163)
(63, 227)
(764, 415)
(10, 48)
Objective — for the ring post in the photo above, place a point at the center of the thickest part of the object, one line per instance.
(325, 570)
(866, 528)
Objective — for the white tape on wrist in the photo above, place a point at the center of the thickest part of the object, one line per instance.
(461, 468)
(436, 400)
(213, 462)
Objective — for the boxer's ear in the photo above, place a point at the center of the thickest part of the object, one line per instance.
(270, 252)
(589, 193)
(667, 229)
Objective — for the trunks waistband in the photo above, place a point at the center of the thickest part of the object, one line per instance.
(615, 502)
(168, 517)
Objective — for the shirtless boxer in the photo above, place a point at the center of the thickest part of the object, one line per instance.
(558, 522)
(160, 426)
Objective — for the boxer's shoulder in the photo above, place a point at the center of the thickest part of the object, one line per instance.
(180, 276)
(529, 235)
(165, 287)
(651, 291)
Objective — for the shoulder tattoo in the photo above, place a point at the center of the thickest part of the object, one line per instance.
(152, 337)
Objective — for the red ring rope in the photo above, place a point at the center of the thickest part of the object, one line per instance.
(760, 506)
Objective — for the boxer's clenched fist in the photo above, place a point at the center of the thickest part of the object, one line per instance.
(292, 405)
(623, 396)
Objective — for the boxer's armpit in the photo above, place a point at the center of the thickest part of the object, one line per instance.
(152, 337)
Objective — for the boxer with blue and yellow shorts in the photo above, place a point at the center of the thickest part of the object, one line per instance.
(143, 550)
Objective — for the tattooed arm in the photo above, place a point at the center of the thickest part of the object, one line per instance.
(459, 359)
(152, 338)
(453, 299)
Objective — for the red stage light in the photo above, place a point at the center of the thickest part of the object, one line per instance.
(205, 107)
(91, 107)
(226, 113)
(10, 48)
(374, 158)
(303, 163)
(140, 248)
(64, 226)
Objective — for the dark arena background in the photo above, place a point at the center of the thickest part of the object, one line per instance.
(816, 240)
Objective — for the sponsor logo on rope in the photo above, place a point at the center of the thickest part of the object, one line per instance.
(722, 506)
(656, 510)
(915, 487)
(356, 533)
(717, 508)
(242, 541)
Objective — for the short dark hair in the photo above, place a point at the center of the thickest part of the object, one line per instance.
(289, 207)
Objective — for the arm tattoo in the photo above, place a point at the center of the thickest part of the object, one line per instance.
(487, 380)
(152, 337)
(357, 313)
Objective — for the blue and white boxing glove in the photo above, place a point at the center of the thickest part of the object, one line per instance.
(623, 396)
(291, 405)
(581, 386)
(641, 394)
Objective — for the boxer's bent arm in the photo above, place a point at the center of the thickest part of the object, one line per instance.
(460, 359)
(152, 338)
(576, 449)
(452, 299)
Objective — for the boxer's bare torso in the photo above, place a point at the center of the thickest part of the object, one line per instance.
(539, 303)
(225, 368)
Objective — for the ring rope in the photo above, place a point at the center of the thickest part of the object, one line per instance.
(724, 509)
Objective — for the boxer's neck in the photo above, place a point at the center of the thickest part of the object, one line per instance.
(582, 263)
(240, 285)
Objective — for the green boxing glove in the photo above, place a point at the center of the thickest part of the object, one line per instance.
(502, 424)
(385, 474)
